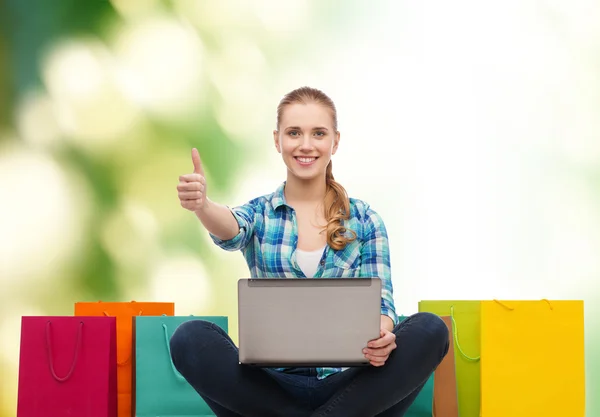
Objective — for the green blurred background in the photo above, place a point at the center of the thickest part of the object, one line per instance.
(472, 128)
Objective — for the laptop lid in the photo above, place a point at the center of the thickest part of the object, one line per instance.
(318, 322)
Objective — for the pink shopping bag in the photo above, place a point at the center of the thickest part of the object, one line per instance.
(67, 367)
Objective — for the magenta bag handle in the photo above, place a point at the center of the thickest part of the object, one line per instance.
(75, 356)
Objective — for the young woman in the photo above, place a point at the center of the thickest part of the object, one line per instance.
(307, 228)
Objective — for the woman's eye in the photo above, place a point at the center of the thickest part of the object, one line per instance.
(293, 133)
(320, 133)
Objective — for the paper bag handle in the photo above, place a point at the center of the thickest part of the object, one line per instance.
(75, 355)
(126, 361)
(455, 336)
(512, 308)
(175, 371)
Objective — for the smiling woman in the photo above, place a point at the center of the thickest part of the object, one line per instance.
(307, 228)
(307, 137)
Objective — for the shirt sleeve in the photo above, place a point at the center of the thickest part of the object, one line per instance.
(245, 216)
(375, 261)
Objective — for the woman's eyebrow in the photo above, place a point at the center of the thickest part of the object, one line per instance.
(299, 128)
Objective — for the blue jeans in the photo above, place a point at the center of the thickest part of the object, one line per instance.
(207, 358)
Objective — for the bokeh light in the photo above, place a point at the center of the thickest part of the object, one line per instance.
(161, 66)
(40, 218)
(91, 109)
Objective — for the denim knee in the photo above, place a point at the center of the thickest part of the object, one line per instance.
(187, 338)
(438, 330)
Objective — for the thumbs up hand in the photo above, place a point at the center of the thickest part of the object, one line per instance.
(192, 187)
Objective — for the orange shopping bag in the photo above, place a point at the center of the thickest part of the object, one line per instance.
(124, 312)
(445, 398)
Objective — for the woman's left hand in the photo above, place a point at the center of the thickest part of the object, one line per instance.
(378, 350)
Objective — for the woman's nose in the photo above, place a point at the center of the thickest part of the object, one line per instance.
(306, 143)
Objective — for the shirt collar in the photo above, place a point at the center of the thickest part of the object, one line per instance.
(278, 198)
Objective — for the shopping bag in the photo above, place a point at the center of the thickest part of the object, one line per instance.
(124, 312)
(422, 406)
(466, 319)
(445, 400)
(159, 389)
(67, 367)
(532, 359)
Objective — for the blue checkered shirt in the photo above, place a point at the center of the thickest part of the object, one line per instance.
(268, 238)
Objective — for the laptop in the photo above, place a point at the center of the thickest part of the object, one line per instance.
(307, 322)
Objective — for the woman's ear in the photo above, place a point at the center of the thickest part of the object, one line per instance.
(336, 142)
(276, 140)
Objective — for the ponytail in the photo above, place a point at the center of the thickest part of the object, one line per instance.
(337, 208)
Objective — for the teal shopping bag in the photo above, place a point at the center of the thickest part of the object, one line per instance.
(423, 404)
(159, 390)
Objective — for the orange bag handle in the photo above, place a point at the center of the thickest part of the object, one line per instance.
(126, 361)
(75, 355)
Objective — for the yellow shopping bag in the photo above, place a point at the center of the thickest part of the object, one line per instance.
(532, 359)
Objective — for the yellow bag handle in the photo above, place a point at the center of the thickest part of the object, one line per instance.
(512, 308)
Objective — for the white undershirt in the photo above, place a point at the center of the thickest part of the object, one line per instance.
(308, 261)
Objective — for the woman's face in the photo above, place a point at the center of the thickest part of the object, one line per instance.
(306, 139)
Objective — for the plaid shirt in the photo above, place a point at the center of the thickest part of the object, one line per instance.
(268, 238)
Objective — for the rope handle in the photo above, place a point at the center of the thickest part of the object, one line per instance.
(75, 355)
(175, 371)
(126, 361)
(455, 336)
(108, 315)
(512, 308)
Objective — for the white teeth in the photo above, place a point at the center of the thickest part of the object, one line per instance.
(306, 160)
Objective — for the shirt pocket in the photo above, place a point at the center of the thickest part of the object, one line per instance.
(347, 261)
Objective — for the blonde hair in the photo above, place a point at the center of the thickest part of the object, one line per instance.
(336, 203)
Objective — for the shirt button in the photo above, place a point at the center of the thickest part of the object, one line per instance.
(322, 262)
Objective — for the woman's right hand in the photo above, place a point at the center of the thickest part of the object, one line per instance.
(192, 187)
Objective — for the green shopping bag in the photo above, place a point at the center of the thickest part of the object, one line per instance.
(466, 319)
(159, 390)
(423, 404)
